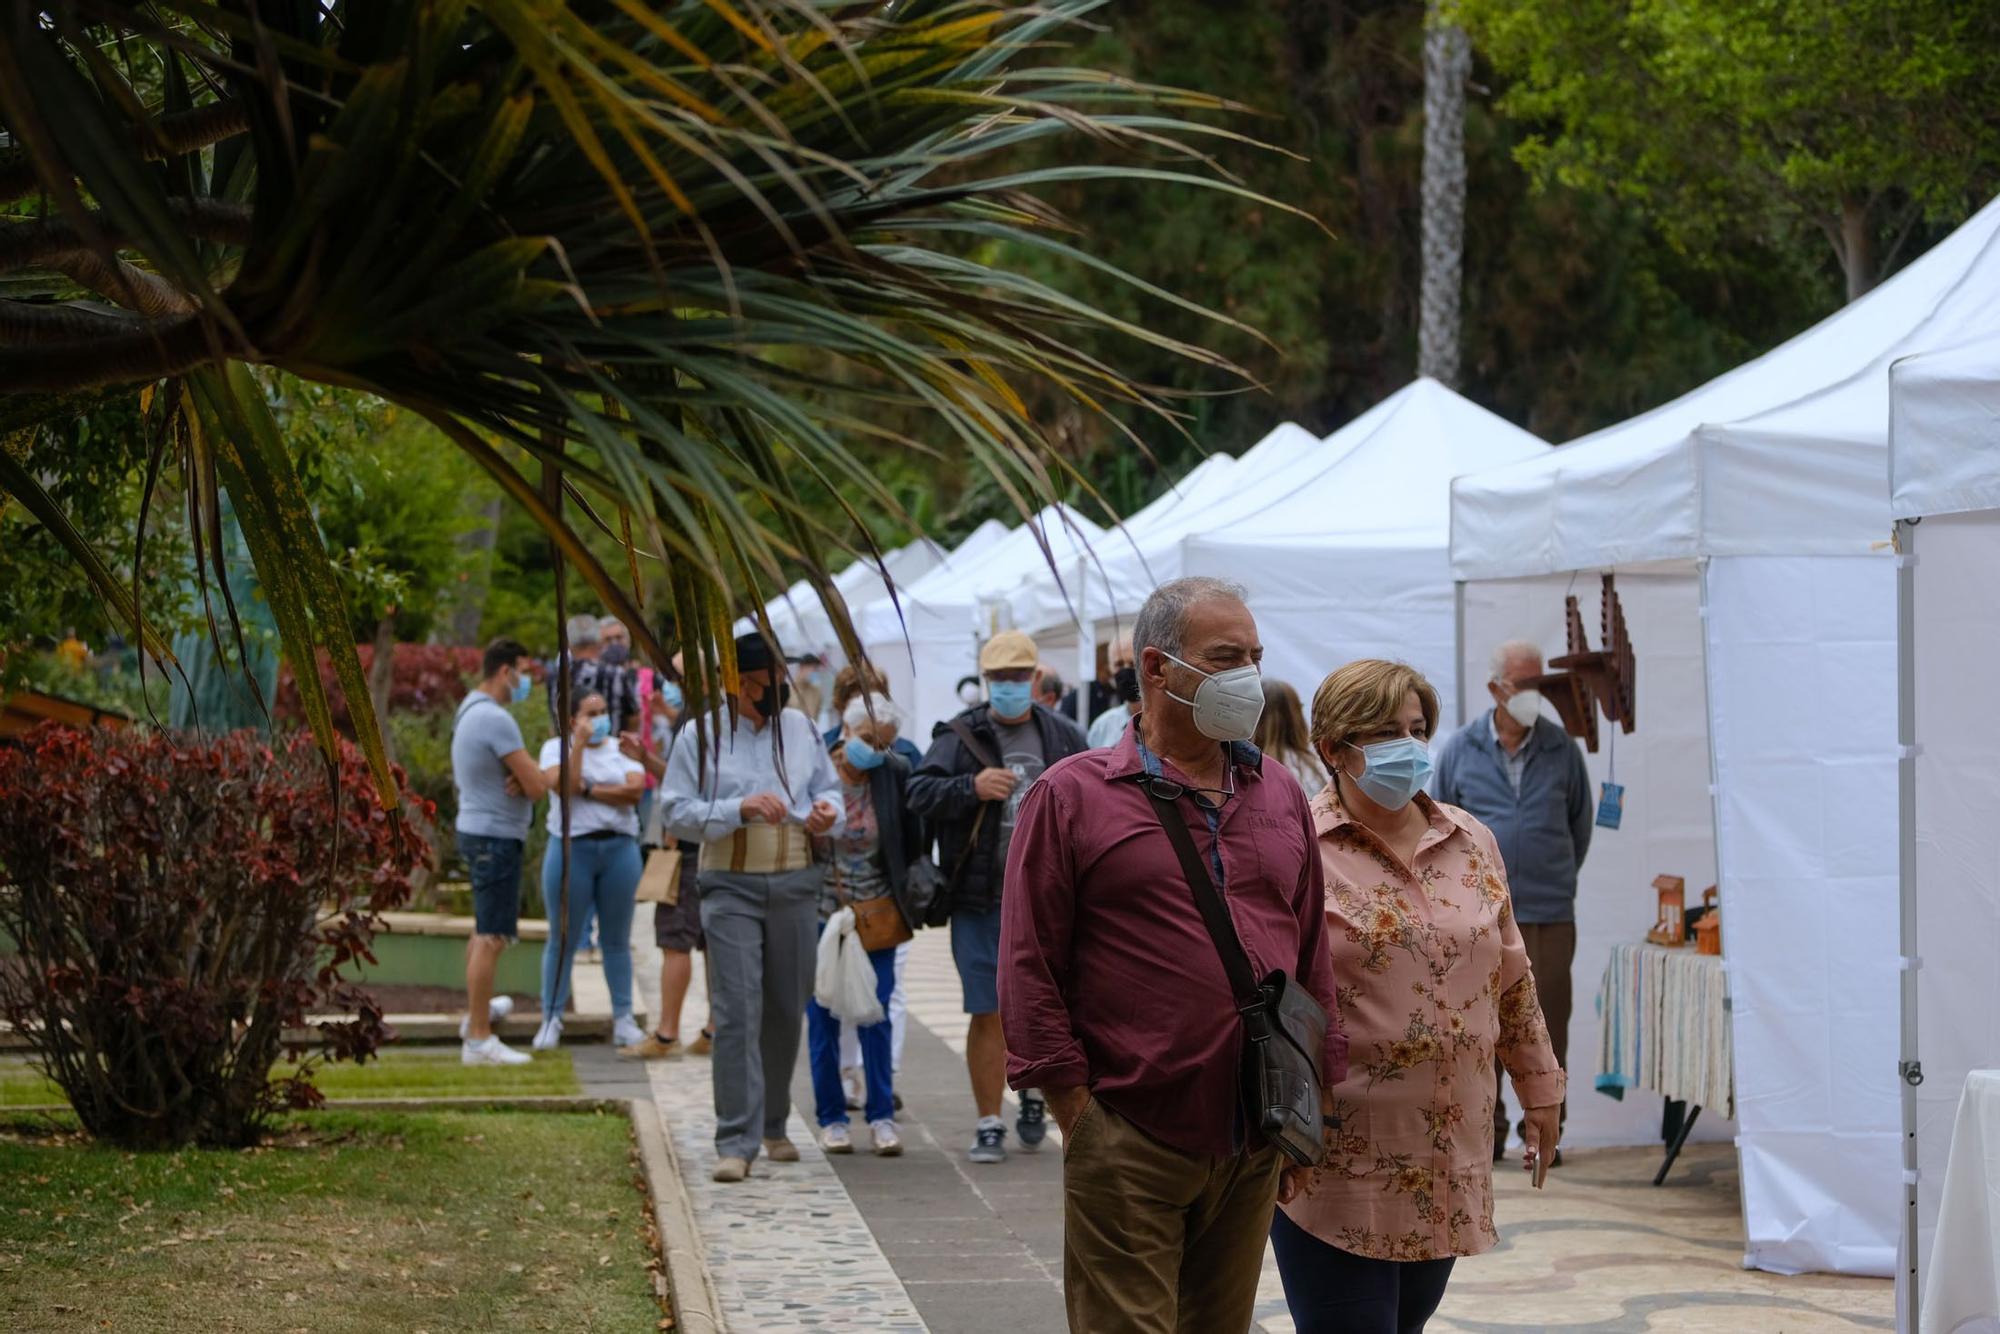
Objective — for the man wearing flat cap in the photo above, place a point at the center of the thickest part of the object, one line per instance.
(970, 786)
(752, 805)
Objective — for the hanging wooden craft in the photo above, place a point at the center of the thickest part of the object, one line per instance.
(1585, 681)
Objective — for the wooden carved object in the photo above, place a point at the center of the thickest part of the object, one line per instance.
(1586, 680)
(1670, 929)
(1708, 931)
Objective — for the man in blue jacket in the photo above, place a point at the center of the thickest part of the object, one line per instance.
(1522, 775)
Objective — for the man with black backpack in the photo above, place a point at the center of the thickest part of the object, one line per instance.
(970, 787)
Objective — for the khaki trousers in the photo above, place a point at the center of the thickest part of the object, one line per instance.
(1157, 1241)
(1551, 951)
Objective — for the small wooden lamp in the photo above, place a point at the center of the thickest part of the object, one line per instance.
(1670, 929)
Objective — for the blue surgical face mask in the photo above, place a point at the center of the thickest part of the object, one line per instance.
(862, 755)
(522, 685)
(1397, 770)
(670, 695)
(600, 729)
(1010, 699)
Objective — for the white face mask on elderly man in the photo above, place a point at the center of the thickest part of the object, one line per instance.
(1227, 704)
(1524, 706)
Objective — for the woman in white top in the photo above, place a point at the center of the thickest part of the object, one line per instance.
(604, 864)
(1282, 736)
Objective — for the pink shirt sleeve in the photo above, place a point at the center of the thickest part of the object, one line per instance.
(1037, 916)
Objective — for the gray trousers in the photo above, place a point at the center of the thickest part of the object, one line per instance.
(762, 931)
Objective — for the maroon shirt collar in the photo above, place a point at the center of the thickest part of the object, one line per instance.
(1127, 762)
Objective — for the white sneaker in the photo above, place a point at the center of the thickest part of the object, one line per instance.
(625, 1033)
(836, 1138)
(496, 1009)
(888, 1143)
(550, 1034)
(490, 1050)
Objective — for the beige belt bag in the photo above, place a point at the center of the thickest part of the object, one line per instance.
(759, 849)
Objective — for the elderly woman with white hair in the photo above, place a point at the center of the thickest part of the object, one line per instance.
(873, 858)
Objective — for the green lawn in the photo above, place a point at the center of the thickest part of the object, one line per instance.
(345, 1222)
(400, 1072)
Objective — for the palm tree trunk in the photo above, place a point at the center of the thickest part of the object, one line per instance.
(1447, 64)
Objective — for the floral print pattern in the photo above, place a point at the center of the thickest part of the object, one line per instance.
(1434, 981)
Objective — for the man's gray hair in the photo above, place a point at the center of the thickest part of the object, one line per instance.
(1507, 652)
(604, 623)
(1162, 622)
(583, 631)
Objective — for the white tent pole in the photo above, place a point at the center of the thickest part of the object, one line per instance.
(1911, 1066)
(1086, 643)
(1458, 638)
(1701, 566)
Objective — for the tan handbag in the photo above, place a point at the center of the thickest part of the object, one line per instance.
(878, 922)
(660, 882)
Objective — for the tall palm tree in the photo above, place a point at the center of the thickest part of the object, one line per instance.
(1447, 66)
(676, 255)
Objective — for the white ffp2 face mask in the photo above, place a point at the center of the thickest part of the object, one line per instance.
(1524, 706)
(1227, 704)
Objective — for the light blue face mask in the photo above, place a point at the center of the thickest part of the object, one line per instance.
(670, 695)
(862, 755)
(1010, 699)
(522, 685)
(1397, 770)
(600, 729)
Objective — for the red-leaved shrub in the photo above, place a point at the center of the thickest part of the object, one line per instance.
(177, 905)
(425, 678)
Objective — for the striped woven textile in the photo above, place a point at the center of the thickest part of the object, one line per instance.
(1666, 1026)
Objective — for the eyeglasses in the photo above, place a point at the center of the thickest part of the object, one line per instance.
(1166, 789)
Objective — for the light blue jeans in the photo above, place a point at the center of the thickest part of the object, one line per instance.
(603, 875)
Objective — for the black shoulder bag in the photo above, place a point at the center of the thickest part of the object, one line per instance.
(1283, 1026)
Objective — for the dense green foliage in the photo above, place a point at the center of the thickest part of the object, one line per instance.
(1807, 122)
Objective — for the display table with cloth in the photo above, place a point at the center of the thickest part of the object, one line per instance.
(1665, 1028)
(1962, 1287)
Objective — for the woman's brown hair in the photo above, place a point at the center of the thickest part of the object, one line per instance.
(1281, 731)
(1365, 695)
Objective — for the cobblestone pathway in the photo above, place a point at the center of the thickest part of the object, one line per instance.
(930, 1241)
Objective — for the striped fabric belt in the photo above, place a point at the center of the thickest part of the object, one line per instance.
(759, 849)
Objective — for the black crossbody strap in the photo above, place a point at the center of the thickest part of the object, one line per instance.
(973, 745)
(1214, 913)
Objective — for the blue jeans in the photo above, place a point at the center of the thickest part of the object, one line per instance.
(603, 874)
(823, 1049)
(1331, 1291)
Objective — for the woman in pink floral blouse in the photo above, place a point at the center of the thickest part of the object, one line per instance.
(1433, 982)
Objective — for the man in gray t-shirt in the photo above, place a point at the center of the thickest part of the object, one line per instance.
(1021, 755)
(498, 783)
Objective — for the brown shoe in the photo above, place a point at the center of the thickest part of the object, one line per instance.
(781, 1151)
(732, 1170)
(652, 1047)
(702, 1045)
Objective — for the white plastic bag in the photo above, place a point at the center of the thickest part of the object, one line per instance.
(859, 1004)
(844, 975)
(826, 962)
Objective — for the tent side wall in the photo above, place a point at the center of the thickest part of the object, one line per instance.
(1668, 825)
(1956, 641)
(1801, 661)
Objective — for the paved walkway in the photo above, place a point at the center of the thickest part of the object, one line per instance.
(931, 1241)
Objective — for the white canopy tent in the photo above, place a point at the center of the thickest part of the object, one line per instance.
(1353, 562)
(1944, 487)
(1108, 585)
(934, 642)
(1763, 492)
(802, 624)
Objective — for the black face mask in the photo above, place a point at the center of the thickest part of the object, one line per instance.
(773, 699)
(616, 654)
(1125, 681)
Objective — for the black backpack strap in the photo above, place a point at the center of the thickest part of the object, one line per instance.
(1214, 913)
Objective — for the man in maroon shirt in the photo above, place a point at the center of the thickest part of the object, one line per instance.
(1113, 998)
